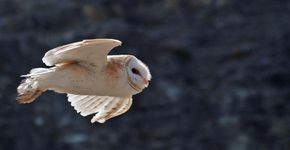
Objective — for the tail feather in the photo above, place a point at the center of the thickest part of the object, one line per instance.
(29, 89)
(28, 97)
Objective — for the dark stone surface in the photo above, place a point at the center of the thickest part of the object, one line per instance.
(221, 77)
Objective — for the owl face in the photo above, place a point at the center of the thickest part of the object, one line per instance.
(138, 74)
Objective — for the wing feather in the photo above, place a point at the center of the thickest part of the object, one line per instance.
(92, 51)
(116, 108)
(104, 107)
(90, 109)
(105, 111)
(124, 107)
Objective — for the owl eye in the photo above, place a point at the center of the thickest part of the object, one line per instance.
(135, 71)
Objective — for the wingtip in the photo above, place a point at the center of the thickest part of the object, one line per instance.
(117, 41)
(93, 120)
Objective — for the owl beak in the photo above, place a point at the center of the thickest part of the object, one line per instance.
(146, 82)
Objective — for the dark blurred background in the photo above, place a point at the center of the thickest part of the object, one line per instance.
(221, 74)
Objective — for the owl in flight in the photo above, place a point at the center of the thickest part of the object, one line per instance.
(95, 83)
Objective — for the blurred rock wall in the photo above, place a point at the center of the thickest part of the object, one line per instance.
(221, 78)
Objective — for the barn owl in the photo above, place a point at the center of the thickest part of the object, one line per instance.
(95, 83)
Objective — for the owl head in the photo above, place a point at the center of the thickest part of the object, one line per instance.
(138, 74)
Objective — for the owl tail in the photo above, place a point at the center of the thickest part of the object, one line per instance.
(29, 88)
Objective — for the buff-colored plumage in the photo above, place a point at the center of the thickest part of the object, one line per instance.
(94, 82)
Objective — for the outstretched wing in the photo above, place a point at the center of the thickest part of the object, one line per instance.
(93, 52)
(104, 107)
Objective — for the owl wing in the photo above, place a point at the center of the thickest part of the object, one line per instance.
(92, 51)
(104, 107)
